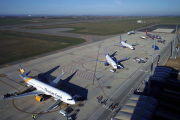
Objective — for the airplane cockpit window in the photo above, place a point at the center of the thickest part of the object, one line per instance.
(69, 99)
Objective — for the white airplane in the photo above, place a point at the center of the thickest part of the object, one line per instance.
(131, 32)
(124, 44)
(43, 88)
(111, 60)
(143, 37)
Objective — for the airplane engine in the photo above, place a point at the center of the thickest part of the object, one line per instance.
(124, 46)
(40, 99)
(106, 64)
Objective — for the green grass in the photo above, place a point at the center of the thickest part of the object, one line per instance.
(110, 27)
(19, 45)
(18, 21)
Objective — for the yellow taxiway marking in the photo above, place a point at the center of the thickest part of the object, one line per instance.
(36, 57)
(14, 81)
(9, 85)
(7, 65)
(2, 75)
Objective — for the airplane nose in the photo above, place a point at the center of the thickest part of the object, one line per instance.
(73, 102)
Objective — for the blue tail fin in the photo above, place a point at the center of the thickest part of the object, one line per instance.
(120, 39)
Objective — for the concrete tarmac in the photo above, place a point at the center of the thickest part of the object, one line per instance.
(82, 76)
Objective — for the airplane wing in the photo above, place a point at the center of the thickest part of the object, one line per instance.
(26, 94)
(118, 45)
(56, 81)
(134, 44)
(99, 61)
(126, 58)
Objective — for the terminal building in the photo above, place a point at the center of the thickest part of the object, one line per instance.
(141, 21)
(162, 101)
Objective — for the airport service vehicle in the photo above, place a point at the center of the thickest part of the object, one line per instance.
(43, 88)
(161, 41)
(124, 44)
(131, 32)
(63, 113)
(111, 60)
(140, 60)
(143, 37)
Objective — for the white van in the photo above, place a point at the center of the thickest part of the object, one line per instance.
(63, 112)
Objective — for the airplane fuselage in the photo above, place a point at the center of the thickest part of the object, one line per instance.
(49, 90)
(111, 61)
(131, 32)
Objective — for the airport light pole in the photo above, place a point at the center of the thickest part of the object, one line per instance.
(149, 83)
(174, 43)
(153, 55)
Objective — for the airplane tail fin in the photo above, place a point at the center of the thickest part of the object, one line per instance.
(147, 32)
(22, 71)
(120, 39)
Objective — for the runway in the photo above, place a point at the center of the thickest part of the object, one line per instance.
(83, 74)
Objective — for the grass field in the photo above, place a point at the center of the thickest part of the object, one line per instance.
(98, 28)
(174, 63)
(18, 21)
(111, 27)
(18, 45)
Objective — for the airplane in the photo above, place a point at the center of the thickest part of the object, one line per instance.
(124, 44)
(149, 35)
(158, 37)
(43, 88)
(111, 60)
(152, 36)
(143, 37)
(131, 32)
